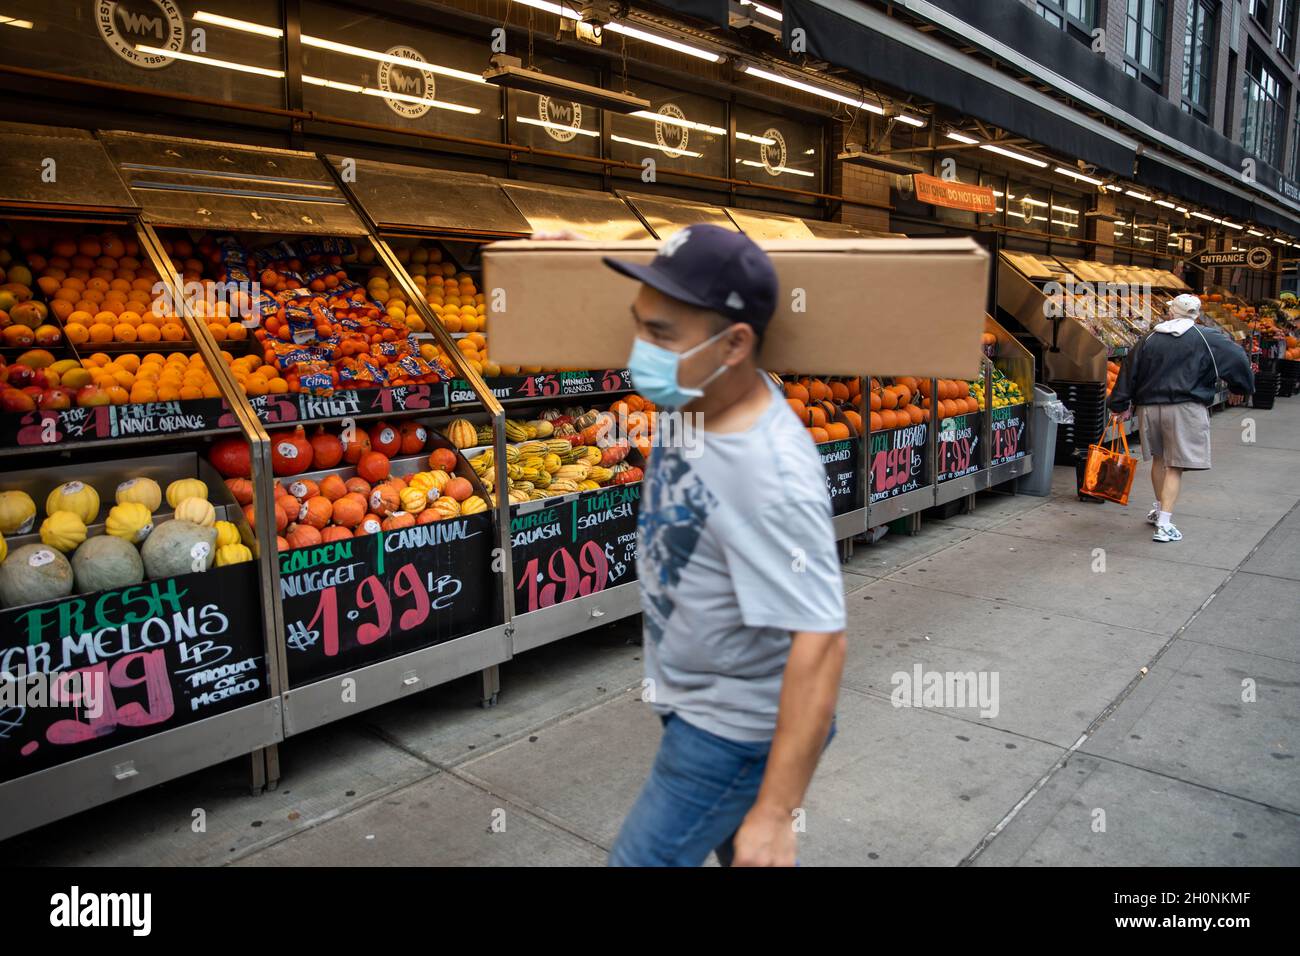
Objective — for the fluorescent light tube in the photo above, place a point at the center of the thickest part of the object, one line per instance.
(808, 88)
(217, 20)
(1018, 156)
(209, 61)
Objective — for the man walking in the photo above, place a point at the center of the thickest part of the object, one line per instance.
(1171, 375)
(741, 586)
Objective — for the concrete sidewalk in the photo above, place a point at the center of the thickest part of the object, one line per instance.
(1121, 735)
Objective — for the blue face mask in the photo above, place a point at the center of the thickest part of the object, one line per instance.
(654, 372)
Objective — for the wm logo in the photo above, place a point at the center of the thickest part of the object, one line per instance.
(406, 82)
(140, 23)
(562, 112)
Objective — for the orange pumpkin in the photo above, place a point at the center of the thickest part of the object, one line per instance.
(316, 512)
(915, 414)
(370, 524)
(349, 510)
(358, 486)
(413, 437)
(241, 489)
(800, 410)
(888, 398)
(373, 467)
(353, 450)
(877, 423)
(281, 544)
(875, 403)
(304, 488)
(303, 536)
(819, 436)
(398, 520)
(855, 421)
(797, 392)
(442, 459)
(816, 417)
(384, 500)
(839, 392)
(457, 488)
(635, 402)
(332, 488)
(334, 533)
(427, 516)
(837, 431)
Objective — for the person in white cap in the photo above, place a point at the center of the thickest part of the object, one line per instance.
(1171, 377)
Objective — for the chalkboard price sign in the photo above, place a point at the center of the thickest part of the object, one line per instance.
(353, 602)
(1009, 441)
(574, 547)
(959, 445)
(840, 459)
(305, 407)
(897, 461)
(49, 426)
(93, 671)
(545, 385)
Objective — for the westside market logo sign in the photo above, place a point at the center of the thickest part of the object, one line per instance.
(156, 23)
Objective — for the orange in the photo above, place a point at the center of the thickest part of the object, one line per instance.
(67, 294)
(130, 318)
(191, 392)
(101, 332)
(77, 333)
(277, 386)
(217, 331)
(124, 332)
(98, 284)
(255, 385)
(61, 308)
(236, 332)
(81, 318)
(118, 395)
(148, 333)
(171, 332)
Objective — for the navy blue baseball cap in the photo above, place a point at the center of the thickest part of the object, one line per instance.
(712, 268)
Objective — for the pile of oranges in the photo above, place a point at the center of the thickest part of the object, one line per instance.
(129, 377)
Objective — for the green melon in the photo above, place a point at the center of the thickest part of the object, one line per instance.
(105, 562)
(34, 573)
(178, 547)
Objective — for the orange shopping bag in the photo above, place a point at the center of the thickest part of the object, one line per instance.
(1109, 474)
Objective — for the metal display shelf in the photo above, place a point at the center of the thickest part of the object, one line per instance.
(901, 506)
(60, 791)
(664, 215)
(1011, 470)
(537, 628)
(98, 195)
(318, 703)
(769, 225)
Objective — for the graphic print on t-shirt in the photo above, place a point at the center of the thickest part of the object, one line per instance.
(671, 521)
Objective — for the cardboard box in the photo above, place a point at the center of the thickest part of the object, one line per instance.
(870, 306)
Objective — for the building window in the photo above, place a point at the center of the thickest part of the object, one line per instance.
(1286, 28)
(1294, 166)
(1262, 11)
(1144, 41)
(1198, 58)
(1075, 17)
(1263, 120)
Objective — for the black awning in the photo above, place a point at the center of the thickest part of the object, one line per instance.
(828, 35)
(711, 11)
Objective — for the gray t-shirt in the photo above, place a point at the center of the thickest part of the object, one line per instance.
(736, 551)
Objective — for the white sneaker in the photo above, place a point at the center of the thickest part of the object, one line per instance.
(1167, 532)
(1152, 515)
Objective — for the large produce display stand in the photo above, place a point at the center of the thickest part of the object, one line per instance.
(571, 556)
(128, 566)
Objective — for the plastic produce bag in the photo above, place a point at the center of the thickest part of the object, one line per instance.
(1058, 412)
(1108, 473)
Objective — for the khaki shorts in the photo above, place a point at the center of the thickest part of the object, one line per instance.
(1180, 434)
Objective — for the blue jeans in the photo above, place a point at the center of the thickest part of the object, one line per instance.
(699, 791)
